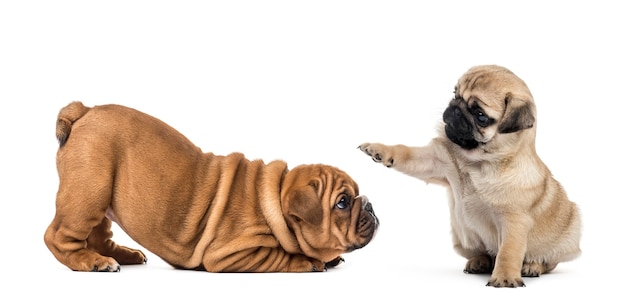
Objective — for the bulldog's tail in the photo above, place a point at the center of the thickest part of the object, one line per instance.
(67, 116)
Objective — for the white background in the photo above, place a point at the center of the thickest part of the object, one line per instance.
(307, 82)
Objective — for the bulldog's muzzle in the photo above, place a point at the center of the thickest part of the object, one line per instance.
(367, 206)
(368, 222)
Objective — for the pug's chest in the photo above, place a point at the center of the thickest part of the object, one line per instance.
(475, 222)
(479, 186)
(474, 208)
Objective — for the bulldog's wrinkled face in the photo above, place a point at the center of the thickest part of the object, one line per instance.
(488, 101)
(323, 207)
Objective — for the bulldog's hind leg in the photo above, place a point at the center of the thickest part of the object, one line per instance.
(68, 243)
(79, 235)
(100, 241)
(83, 247)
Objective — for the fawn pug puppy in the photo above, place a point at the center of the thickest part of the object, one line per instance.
(509, 216)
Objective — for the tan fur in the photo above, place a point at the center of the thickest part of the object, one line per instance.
(509, 216)
(194, 210)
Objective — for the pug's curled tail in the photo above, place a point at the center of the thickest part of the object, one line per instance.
(67, 116)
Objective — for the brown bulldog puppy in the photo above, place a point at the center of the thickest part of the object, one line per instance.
(194, 210)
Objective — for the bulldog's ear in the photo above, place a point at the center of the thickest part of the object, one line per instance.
(518, 115)
(304, 205)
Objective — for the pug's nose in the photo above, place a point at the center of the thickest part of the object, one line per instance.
(457, 112)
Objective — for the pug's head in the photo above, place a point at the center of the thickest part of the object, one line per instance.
(492, 110)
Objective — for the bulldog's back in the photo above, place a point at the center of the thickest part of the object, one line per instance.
(161, 186)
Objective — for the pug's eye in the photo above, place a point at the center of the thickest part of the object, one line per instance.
(343, 202)
(482, 119)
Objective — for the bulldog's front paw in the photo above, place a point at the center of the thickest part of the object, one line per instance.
(128, 256)
(380, 153)
(303, 263)
(335, 262)
(318, 266)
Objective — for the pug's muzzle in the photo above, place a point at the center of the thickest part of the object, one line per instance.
(459, 129)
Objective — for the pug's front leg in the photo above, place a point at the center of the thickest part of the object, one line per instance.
(507, 271)
(427, 163)
(381, 153)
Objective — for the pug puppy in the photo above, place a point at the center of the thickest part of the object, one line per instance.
(509, 216)
(194, 210)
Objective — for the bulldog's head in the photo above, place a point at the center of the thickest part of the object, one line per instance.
(323, 208)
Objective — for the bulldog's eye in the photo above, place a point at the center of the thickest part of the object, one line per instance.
(343, 202)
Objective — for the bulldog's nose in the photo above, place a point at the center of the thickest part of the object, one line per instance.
(366, 204)
(364, 201)
(368, 207)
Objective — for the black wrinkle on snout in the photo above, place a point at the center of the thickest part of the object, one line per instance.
(368, 207)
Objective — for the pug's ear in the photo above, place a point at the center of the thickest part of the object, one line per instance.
(304, 205)
(518, 115)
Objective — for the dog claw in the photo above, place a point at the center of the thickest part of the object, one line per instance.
(377, 158)
(106, 269)
(506, 284)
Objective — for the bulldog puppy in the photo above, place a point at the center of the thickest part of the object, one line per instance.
(509, 216)
(194, 210)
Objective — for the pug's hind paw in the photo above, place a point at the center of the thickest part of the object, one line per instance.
(535, 269)
(479, 264)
